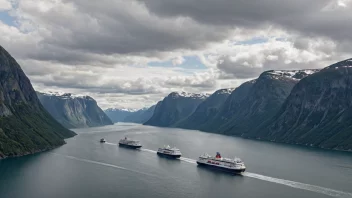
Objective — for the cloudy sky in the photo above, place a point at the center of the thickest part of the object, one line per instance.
(132, 53)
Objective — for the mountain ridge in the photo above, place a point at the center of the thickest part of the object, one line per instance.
(309, 107)
(25, 126)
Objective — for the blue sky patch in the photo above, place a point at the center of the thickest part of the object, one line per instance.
(7, 19)
(252, 41)
(191, 62)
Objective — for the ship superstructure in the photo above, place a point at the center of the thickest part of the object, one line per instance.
(167, 151)
(235, 165)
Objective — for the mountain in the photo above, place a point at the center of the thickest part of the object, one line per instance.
(25, 126)
(174, 108)
(74, 112)
(228, 108)
(130, 115)
(206, 111)
(140, 116)
(118, 115)
(318, 111)
(263, 100)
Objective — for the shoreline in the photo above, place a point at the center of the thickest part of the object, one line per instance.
(30, 153)
(264, 140)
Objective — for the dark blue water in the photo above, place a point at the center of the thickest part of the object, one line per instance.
(85, 168)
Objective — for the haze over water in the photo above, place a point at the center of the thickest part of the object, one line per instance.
(85, 168)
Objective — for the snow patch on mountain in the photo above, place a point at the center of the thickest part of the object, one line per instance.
(123, 109)
(293, 74)
(224, 91)
(67, 96)
(188, 95)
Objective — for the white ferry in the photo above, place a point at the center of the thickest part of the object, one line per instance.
(130, 143)
(167, 151)
(230, 165)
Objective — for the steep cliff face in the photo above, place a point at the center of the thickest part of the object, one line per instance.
(263, 100)
(25, 126)
(74, 112)
(140, 116)
(318, 112)
(228, 108)
(174, 108)
(206, 111)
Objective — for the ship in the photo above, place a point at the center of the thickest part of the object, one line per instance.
(235, 165)
(130, 143)
(167, 151)
(102, 140)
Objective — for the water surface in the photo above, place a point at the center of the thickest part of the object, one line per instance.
(85, 168)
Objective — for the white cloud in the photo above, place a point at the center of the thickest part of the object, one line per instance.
(102, 48)
(5, 5)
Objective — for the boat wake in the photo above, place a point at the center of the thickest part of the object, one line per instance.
(192, 161)
(103, 164)
(110, 143)
(309, 187)
(147, 150)
(293, 184)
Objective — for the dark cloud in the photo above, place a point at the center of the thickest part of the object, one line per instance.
(111, 27)
(316, 17)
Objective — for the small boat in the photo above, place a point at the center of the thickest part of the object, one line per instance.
(235, 165)
(130, 143)
(102, 140)
(167, 151)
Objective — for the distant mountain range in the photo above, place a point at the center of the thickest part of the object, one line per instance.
(74, 111)
(130, 115)
(25, 126)
(306, 107)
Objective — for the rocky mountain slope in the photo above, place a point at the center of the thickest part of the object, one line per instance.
(318, 112)
(174, 108)
(206, 111)
(25, 126)
(263, 100)
(74, 112)
(228, 108)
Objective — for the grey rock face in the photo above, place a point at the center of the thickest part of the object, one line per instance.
(74, 112)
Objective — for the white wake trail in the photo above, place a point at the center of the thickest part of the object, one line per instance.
(110, 143)
(309, 187)
(192, 161)
(103, 164)
(148, 150)
(293, 184)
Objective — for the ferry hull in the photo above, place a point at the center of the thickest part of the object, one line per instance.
(130, 146)
(168, 156)
(236, 171)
